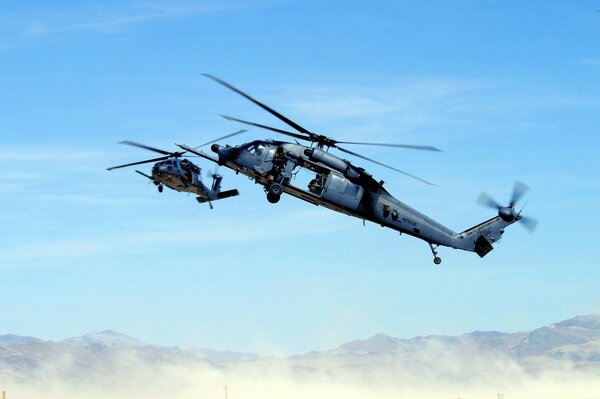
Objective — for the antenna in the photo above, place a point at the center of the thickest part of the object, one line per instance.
(226, 393)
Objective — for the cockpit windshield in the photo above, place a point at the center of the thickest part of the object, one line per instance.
(255, 149)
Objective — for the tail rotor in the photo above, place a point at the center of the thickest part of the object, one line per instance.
(508, 213)
(217, 178)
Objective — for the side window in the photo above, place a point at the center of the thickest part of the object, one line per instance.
(259, 150)
(352, 189)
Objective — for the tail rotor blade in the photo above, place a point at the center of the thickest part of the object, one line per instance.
(486, 200)
(519, 190)
(529, 223)
(215, 172)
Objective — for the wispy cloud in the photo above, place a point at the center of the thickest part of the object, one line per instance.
(360, 100)
(103, 20)
(417, 108)
(25, 26)
(588, 61)
(47, 154)
(180, 233)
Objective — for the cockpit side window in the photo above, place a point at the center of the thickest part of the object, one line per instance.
(259, 149)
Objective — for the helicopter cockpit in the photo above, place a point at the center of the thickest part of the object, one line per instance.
(255, 148)
(168, 166)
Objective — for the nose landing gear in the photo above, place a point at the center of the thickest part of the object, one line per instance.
(436, 259)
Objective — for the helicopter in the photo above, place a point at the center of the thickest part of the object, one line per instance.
(180, 174)
(343, 187)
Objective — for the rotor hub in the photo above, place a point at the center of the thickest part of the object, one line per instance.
(507, 214)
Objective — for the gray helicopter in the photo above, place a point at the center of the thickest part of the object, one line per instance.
(343, 187)
(180, 174)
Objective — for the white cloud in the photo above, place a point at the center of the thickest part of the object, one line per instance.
(102, 20)
(417, 109)
(180, 232)
(48, 154)
(25, 26)
(588, 61)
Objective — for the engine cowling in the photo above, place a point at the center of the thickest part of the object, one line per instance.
(318, 155)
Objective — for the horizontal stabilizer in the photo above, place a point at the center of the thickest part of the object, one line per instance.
(228, 193)
(221, 195)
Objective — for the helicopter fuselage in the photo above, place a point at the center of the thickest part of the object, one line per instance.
(345, 188)
(173, 174)
(179, 174)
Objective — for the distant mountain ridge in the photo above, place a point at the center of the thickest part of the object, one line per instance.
(575, 341)
(571, 343)
(11, 339)
(108, 338)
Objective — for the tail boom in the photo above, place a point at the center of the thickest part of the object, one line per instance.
(479, 238)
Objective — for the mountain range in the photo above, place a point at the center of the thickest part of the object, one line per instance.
(570, 344)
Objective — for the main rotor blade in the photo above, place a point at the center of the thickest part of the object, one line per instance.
(263, 106)
(147, 147)
(198, 153)
(273, 129)
(222, 138)
(519, 190)
(139, 163)
(486, 200)
(384, 165)
(143, 174)
(408, 146)
(529, 223)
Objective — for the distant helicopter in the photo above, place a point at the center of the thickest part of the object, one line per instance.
(343, 187)
(181, 175)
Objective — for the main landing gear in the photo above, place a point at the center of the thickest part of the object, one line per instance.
(160, 187)
(436, 259)
(274, 193)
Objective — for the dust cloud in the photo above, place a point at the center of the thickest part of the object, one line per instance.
(141, 374)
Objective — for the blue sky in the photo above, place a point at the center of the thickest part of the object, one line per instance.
(509, 91)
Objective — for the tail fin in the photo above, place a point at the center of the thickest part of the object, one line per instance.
(479, 238)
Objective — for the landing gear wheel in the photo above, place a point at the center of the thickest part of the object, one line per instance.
(436, 259)
(275, 189)
(160, 188)
(272, 198)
